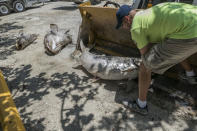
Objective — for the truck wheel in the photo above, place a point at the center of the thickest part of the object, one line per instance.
(78, 2)
(4, 9)
(94, 2)
(18, 6)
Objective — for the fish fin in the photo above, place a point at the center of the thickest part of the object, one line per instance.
(95, 79)
(82, 46)
(67, 31)
(34, 37)
(79, 67)
(54, 28)
(20, 33)
(15, 36)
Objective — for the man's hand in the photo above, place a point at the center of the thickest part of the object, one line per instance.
(145, 49)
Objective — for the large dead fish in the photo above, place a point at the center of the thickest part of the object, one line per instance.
(109, 67)
(56, 39)
(23, 40)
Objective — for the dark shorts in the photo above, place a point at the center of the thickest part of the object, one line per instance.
(163, 56)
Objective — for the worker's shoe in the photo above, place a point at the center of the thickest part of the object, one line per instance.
(190, 79)
(133, 106)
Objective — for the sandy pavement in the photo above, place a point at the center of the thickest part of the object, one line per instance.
(52, 95)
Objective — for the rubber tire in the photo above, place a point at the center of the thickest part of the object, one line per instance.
(14, 5)
(78, 2)
(3, 4)
(95, 2)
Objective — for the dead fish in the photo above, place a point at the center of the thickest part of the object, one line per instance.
(56, 39)
(24, 40)
(109, 67)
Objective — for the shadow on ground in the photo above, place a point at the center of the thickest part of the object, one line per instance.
(34, 88)
(68, 8)
(7, 41)
(9, 26)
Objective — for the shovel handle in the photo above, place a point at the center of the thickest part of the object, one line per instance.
(111, 3)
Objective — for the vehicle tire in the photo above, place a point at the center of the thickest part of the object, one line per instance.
(95, 2)
(4, 9)
(78, 2)
(18, 6)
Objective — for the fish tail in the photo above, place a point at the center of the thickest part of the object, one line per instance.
(82, 46)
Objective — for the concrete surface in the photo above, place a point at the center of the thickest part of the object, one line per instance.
(52, 95)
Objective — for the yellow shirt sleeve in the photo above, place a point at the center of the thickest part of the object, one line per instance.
(139, 37)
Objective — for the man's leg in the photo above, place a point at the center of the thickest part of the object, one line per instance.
(186, 66)
(140, 104)
(189, 75)
(158, 59)
(144, 82)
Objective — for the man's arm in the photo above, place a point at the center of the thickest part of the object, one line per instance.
(145, 49)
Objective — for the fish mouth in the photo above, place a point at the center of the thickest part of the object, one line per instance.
(76, 54)
(19, 46)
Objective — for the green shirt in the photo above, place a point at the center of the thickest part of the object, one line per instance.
(166, 20)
